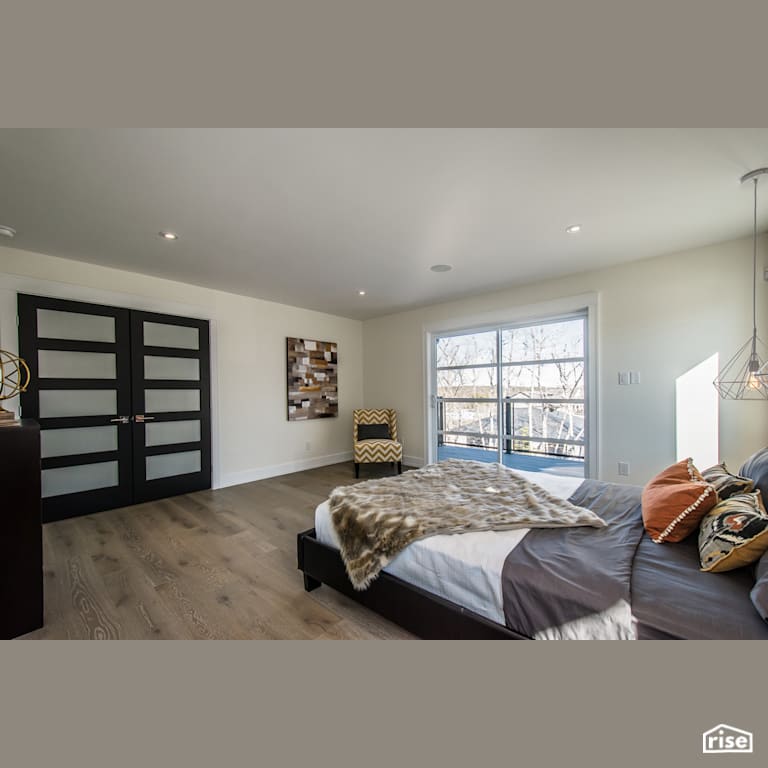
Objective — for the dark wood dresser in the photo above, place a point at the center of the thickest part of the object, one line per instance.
(21, 533)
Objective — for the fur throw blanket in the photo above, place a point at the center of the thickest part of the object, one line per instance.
(375, 520)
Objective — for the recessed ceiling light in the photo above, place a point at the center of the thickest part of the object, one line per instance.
(362, 293)
(573, 229)
(441, 267)
(169, 235)
(7, 231)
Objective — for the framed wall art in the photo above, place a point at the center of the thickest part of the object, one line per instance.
(312, 379)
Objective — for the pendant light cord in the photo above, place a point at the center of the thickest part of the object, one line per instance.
(754, 267)
(754, 272)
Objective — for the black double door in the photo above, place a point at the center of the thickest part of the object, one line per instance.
(123, 402)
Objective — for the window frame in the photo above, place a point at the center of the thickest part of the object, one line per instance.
(583, 306)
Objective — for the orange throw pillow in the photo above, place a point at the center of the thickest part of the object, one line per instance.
(675, 501)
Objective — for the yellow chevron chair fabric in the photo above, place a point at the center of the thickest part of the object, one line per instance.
(376, 451)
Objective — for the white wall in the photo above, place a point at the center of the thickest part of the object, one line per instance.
(659, 316)
(252, 437)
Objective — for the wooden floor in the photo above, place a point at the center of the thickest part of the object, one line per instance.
(213, 564)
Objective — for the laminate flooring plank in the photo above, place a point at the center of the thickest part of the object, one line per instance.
(101, 542)
(280, 587)
(89, 602)
(174, 546)
(277, 593)
(157, 569)
(209, 520)
(201, 619)
(358, 616)
(59, 619)
(252, 542)
(142, 612)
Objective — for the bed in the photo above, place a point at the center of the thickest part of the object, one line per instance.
(576, 583)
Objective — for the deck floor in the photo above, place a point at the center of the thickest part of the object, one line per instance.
(526, 462)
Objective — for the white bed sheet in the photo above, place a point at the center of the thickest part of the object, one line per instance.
(464, 568)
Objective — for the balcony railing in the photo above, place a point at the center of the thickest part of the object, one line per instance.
(512, 440)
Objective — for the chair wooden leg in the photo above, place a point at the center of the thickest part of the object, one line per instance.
(399, 467)
(357, 469)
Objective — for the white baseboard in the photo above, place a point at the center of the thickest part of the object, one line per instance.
(413, 461)
(274, 470)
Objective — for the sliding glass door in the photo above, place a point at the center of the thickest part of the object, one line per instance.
(515, 395)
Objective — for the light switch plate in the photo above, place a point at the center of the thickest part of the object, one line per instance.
(623, 377)
(623, 469)
(634, 377)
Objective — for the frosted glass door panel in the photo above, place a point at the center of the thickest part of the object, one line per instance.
(171, 464)
(171, 400)
(53, 324)
(58, 364)
(85, 477)
(170, 432)
(68, 442)
(164, 335)
(182, 368)
(56, 403)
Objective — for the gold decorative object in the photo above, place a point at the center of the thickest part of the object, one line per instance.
(14, 378)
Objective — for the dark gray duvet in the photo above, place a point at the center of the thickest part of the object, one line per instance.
(615, 582)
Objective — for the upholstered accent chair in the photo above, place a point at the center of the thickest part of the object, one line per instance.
(374, 432)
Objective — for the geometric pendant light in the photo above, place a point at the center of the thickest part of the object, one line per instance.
(745, 375)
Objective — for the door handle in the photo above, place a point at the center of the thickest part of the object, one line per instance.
(120, 420)
(141, 418)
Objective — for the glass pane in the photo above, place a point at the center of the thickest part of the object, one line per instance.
(479, 419)
(170, 464)
(66, 442)
(562, 421)
(467, 382)
(468, 349)
(169, 400)
(52, 324)
(547, 341)
(57, 364)
(77, 402)
(169, 432)
(164, 335)
(545, 381)
(86, 477)
(184, 368)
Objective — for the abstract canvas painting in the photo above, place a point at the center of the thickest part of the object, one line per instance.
(312, 379)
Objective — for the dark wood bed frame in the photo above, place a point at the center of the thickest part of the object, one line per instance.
(420, 612)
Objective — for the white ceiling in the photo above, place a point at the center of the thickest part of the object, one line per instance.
(311, 216)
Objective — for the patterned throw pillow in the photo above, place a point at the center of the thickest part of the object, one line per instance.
(675, 501)
(734, 533)
(726, 484)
